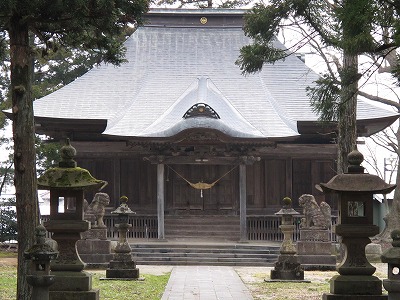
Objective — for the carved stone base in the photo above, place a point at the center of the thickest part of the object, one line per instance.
(95, 233)
(73, 286)
(315, 235)
(122, 266)
(316, 255)
(354, 297)
(77, 295)
(287, 268)
(358, 285)
(94, 252)
(71, 281)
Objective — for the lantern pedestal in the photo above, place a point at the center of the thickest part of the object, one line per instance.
(67, 184)
(392, 257)
(287, 268)
(40, 255)
(66, 233)
(122, 267)
(355, 190)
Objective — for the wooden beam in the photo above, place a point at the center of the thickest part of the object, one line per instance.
(160, 201)
(243, 200)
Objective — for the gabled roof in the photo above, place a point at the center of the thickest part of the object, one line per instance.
(185, 61)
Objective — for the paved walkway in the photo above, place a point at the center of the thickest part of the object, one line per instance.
(205, 283)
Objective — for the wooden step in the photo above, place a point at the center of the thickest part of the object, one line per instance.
(219, 227)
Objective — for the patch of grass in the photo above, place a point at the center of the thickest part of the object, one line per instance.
(7, 254)
(8, 282)
(151, 288)
(285, 291)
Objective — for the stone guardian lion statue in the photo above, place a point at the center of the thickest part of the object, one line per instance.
(315, 216)
(97, 209)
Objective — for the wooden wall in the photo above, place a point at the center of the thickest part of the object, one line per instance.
(268, 182)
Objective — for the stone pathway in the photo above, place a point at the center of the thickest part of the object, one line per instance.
(205, 283)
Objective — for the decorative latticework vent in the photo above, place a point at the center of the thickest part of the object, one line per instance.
(201, 110)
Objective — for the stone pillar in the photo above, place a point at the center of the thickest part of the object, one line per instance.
(243, 208)
(160, 201)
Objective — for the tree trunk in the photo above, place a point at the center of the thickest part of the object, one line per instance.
(24, 147)
(347, 121)
(347, 139)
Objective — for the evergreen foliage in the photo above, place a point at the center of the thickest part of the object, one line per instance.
(32, 27)
(8, 221)
(350, 27)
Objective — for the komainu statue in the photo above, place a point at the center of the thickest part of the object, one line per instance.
(97, 209)
(315, 216)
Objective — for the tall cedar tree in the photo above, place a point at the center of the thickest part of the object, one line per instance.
(80, 24)
(346, 25)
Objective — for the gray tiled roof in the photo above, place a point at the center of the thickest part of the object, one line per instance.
(167, 70)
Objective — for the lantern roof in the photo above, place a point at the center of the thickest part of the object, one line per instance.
(355, 180)
(68, 174)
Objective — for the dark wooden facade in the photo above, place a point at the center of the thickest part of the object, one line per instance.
(289, 170)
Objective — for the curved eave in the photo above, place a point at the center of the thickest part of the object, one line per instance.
(81, 129)
(365, 127)
(185, 136)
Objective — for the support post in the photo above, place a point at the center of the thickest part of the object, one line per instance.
(242, 197)
(160, 201)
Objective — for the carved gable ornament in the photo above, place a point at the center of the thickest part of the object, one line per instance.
(201, 110)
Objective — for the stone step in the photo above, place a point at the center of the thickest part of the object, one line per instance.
(195, 251)
(205, 254)
(207, 261)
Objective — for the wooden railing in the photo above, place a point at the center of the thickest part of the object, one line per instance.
(259, 228)
(266, 228)
(143, 227)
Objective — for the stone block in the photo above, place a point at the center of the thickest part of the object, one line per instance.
(93, 246)
(373, 252)
(314, 248)
(71, 281)
(74, 295)
(355, 285)
(95, 233)
(315, 235)
(317, 262)
(122, 273)
(96, 259)
(354, 297)
(115, 264)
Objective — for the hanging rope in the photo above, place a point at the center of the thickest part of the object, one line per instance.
(202, 185)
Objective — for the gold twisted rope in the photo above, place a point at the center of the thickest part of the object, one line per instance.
(202, 185)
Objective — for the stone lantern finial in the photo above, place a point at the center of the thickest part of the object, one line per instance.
(355, 159)
(67, 153)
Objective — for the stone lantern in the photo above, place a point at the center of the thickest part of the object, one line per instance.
(392, 257)
(40, 255)
(287, 267)
(67, 184)
(355, 191)
(122, 265)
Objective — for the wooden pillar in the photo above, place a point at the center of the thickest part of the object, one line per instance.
(160, 201)
(242, 198)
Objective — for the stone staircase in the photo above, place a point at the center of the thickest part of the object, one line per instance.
(217, 227)
(205, 253)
